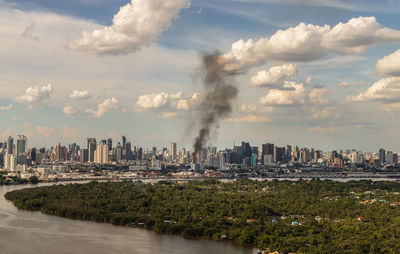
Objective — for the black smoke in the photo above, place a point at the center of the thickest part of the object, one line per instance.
(220, 92)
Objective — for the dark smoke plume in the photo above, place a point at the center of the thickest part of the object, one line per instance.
(220, 91)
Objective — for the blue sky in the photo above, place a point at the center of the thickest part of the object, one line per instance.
(143, 86)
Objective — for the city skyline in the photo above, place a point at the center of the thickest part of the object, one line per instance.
(324, 76)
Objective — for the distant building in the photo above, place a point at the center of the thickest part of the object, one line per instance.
(382, 156)
(172, 151)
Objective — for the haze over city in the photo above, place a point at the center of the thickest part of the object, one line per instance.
(321, 74)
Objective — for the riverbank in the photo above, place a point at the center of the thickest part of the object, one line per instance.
(303, 216)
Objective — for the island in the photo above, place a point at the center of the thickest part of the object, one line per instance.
(305, 216)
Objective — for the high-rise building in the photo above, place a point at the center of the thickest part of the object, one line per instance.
(123, 142)
(10, 145)
(101, 154)
(109, 144)
(172, 151)
(59, 153)
(21, 144)
(267, 149)
(128, 151)
(382, 156)
(91, 146)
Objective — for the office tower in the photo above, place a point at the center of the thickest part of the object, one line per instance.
(279, 154)
(118, 152)
(154, 151)
(32, 154)
(10, 145)
(123, 142)
(172, 151)
(139, 154)
(381, 156)
(267, 149)
(21, 144)
(101, 153)
(395, 158)
(389, 157)
(59, 153)
(83, 155)
(91, 146)
(109, 144)
(288, 153)
(128, 151)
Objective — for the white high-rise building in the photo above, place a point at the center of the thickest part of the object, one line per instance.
(10, 162)
(101, 154)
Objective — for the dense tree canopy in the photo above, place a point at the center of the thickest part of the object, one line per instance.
(304, 216)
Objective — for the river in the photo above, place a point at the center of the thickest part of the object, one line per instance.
(33, 232)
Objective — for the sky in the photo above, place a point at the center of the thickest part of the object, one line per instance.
(322, 74)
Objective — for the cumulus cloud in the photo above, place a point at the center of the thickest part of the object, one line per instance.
(80, 95)
(136, 25)
(69, 110)
(293, 94)
(305, 43)
(167, 115)
(36, 95)
(275, 76)
(316, 96)
(167, 101)
(70, 133)
(6, 108)
(389, 65)
(45, 131)
(343, 85)
(250, 118)
(103, 108)
(386, 90)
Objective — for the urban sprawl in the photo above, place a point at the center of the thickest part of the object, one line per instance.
(103, 161)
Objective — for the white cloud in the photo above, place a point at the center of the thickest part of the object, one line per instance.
(45, 131)
(70, 133)
(305, 43)
(103, 108)
(136, 25)
(316, 96)
(167, 115)
(293, 94)
(167, 101)
(343, 85)
(70, 110)
(387, 90)
(36, 95)
(80, 95)
(275, 76)
(250, 118)
(6, 108)
(389, 65)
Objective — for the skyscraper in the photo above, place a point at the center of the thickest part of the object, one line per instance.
(10, 145)
(267, 150)
(91, 146)
(382, 156)
(109, 144)
(21, 144)
(172, 151)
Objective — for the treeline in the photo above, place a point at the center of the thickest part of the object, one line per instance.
(304, 217)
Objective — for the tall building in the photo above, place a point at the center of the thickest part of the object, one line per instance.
(91, 146)
(172, 151)
(128, 151)
(382, 156)
(267, 149)
(101, 154)
(10, 145)
(123, 142)
(109, 144)
(21, 144)
(59, 153)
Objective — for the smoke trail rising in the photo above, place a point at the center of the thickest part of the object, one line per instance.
(220, 92)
